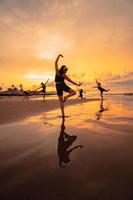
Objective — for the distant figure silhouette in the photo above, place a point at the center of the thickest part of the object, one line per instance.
(26, 95)
(99, 87)
(60, 76)
(43, 86)
(81, 91)
(102, 109)
(64, 142)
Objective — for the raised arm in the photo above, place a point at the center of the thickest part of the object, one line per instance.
(68, 79)
(96, 81)
(46, 82)
(56, 63)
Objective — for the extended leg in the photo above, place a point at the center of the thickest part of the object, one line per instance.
(107, 90)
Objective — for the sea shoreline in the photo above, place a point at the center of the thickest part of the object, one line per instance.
(12, 111)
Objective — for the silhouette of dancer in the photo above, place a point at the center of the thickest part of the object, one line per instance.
(60, 76)
(64, 142)
(99, 87)
(43, 86)
(81, 91)
(26, 95)
(102, 109)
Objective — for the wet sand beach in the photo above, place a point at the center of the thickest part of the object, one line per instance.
(15, 110)
(96, 164)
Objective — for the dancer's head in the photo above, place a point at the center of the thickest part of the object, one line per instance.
(63, 70)
(42, 84)
(99, 84)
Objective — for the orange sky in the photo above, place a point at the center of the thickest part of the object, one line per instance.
(94, 36)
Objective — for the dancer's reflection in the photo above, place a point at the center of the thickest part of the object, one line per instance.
(102, 109)
(64, 142)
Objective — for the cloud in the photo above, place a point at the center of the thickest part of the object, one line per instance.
(95, 36)
(124, 83)
(121, 80)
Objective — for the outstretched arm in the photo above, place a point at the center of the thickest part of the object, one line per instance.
(75, 147)
(46, 82)
(68, 79)
(38, 88)
(56, 63)
(96, 81)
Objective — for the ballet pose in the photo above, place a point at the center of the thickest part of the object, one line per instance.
(43, 87)
(26, 94)
(60, 77)
(81, 91)
(100, 88)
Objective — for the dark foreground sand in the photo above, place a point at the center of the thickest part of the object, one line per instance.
(101, 170)
(11, 111)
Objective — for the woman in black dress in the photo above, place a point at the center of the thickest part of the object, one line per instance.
(43, 87)
(60, 76)
(100, 88)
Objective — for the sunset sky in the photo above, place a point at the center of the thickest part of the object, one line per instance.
(95, 37)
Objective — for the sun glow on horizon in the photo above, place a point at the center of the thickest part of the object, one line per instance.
(95, 38)
(40, 77)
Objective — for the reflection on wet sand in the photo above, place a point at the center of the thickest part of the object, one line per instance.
(100, 112)
(64, 142)
(29, 167)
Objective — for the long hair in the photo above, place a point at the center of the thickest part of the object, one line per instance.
(61, 70)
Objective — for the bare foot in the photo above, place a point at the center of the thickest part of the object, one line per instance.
(63, 117)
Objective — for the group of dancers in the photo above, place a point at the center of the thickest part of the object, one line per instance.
(42, 87)
(61, 76)
(61, 86)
